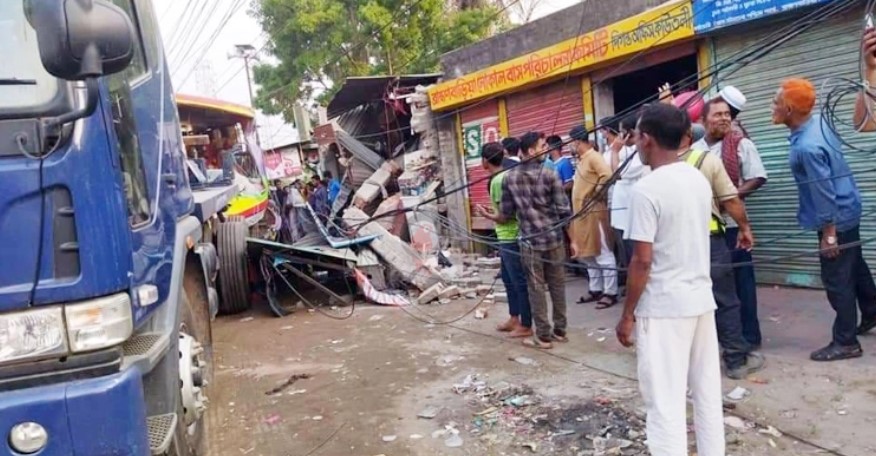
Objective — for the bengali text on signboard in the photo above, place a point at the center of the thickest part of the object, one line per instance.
(665, 24)
(715, 14)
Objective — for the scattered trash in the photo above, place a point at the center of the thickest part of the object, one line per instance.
(389, 438)
(296, 392)
(531, 446)
(376, 318)
(758, 380)
(736, 423)
(246, 319)
(525, 361)
(739, 393)
(415, 437)
(272, 419)
(775, 318)
(772, 443)
(428, 413)
(563, 432)
(286, 328)
(469, 383)
(317, 418)
(601, 339)
(439, 433)
(842, 412)
(769, 430)
(480, 314)
(487, 411)
(789, 414)
(448, 360)
(289, 382)
(454, 441)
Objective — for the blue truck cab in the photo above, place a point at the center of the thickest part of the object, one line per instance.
(107, 259)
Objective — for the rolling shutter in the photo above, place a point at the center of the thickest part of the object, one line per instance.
(551, 109)
(825, 51)
(479, 125)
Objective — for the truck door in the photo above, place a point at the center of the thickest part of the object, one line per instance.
(144, 121)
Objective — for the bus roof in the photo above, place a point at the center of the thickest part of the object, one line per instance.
(214, 107)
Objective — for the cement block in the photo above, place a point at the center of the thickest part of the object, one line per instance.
(430, 294)
(450, 292)
(501, 297)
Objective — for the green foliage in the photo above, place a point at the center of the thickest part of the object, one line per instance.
(319, 43)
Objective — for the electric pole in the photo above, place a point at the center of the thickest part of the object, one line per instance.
(247, 52)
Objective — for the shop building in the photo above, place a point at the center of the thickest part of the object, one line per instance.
(570, 68)
(599, 58)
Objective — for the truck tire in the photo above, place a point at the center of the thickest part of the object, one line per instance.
(233, 271)
(190, 440)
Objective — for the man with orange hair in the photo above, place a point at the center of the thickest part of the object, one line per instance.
(829, 202)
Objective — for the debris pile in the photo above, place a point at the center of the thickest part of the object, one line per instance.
(515, 415)
(386, 220)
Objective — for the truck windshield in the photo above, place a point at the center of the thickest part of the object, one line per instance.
(24, 83)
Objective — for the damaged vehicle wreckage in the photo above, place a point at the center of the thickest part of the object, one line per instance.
(381, 236)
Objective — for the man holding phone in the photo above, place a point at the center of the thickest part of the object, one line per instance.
(623, 150)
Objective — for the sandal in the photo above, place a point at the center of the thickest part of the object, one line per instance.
(606, 301)
(593, 297)
(559, 338)
(535, 342)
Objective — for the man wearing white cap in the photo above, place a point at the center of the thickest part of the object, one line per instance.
(726, 139)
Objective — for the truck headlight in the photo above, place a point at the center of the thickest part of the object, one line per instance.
(99, 323)
(30, 334)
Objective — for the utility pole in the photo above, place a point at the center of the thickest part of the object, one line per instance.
(247, 52)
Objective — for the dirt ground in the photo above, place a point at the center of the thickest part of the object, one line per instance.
(383, 382)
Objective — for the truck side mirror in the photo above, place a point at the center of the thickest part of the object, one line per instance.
(81, 39)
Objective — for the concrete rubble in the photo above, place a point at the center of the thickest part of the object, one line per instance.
(399, 204)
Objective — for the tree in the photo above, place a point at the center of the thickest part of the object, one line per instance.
(319, 43)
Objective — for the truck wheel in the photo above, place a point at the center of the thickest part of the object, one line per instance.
(190, 438)
(233, 274)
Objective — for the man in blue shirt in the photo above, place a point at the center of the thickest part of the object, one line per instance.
(831, 204)
(334, 187)
(562, 163)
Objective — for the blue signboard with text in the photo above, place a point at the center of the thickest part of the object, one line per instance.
(714, 14)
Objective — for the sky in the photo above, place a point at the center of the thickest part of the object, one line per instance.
(199, 36)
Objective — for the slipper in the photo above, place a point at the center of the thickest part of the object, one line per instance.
(558, 338)
(593, 297)
(520, 332)
(606, 301)
(535, 342)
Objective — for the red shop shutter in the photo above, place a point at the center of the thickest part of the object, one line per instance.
(480, 125)
(552, 109)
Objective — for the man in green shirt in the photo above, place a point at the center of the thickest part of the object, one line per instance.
(513, 275)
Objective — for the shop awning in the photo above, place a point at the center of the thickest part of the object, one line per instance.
(358, 91)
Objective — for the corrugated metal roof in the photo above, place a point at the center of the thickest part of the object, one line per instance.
(358, 91)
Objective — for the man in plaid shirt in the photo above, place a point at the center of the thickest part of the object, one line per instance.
(536, 197)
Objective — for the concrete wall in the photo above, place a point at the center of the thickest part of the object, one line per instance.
(562, 25)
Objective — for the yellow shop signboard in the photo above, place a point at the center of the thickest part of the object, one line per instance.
(661, 25)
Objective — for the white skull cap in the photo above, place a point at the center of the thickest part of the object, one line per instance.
(733, 97)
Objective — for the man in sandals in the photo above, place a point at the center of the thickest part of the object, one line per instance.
(519, 325)
(591, 232)
(536, 197)
(669, 303)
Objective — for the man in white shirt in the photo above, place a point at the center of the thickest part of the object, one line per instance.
(622, 150)
(745, 168)
(669, 302)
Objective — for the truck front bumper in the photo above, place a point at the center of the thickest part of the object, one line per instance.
(99, 416)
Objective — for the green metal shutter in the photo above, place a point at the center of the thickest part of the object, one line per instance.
(828, 50)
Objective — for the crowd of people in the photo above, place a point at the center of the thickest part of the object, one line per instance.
(664, 202)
